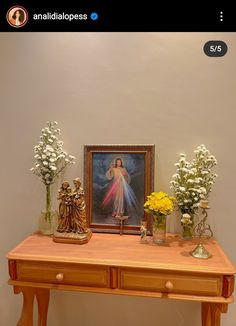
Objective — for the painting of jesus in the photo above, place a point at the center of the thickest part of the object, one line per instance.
(117, 189)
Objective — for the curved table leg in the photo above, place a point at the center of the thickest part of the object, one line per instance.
(211, 313)
(42, 296)
(26, 318)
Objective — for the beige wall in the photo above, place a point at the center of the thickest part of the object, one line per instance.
(113, 88)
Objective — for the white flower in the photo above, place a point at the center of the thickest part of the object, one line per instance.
(49, 154)
(186, 219)
(61, 156)
(203, 190)
(175, 175)
(190, 181)
(193, 180)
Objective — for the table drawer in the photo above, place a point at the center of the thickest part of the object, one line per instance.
(61, 273)
(153, 281)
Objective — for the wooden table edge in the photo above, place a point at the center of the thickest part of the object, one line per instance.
(125, 264)
(73, 288)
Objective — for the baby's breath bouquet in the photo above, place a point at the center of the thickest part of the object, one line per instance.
(159, 204)
(193, 182)
(203, 163)
(185, 185)
(50, 160)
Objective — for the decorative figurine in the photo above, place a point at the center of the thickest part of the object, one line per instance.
(143, 232)
(202, 229)
(72, 227)
(65, 207)
(79, 223)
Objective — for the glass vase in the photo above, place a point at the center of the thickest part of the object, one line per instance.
(187, 233)
(48, 218)
(48, 222)
(159, 230)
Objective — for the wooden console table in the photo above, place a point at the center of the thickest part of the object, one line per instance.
(117, 264)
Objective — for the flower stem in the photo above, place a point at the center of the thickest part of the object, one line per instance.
(48, 204)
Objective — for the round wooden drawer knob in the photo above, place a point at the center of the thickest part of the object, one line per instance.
(60, 277)
(169, 286)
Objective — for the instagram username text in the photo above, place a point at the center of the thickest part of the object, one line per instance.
(59, 16)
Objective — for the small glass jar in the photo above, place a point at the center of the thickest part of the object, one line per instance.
(187, 226)
(187, 233)
(159, 230)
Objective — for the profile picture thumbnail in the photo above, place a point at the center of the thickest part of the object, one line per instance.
(17, 16)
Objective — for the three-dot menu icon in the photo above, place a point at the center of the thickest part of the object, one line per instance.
(221, 16)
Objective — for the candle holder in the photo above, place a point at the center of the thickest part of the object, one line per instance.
(202, 230)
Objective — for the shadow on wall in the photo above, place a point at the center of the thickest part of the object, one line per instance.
(75, 309)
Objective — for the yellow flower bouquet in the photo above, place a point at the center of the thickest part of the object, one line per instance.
(159, 204)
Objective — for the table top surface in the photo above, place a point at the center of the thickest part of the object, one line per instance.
(126, 251)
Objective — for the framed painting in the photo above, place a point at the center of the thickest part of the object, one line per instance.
(117, 179)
